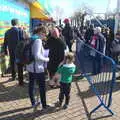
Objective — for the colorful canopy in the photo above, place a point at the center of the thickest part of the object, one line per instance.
(37, 11)
(37, 5)
(46, 4)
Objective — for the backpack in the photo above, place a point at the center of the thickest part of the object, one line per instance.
(23, 52)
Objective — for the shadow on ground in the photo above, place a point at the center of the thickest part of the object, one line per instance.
(15, 92)
(87, 94)
(18, 114)
(102, 88)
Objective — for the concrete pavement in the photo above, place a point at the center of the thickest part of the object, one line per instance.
(15, 104)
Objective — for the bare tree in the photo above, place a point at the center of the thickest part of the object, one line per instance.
(79, 17)
(58, 14)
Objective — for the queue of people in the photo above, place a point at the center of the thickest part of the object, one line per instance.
(34, 46)
(109, 43)
(46, 53)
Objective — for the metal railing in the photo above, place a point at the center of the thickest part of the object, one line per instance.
(99, 71)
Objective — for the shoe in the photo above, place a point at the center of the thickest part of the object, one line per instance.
(35, 105)
(58, 104)
(46, 108)
(65, 106)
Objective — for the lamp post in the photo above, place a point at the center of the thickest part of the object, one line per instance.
(117, 17)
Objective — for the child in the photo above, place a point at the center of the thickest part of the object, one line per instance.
(65, 71)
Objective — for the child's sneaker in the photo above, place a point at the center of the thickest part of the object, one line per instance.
(35, 105)
(46, 108)
(58, 104)
(65, 106)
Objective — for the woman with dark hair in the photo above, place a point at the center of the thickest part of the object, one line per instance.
(36, 68)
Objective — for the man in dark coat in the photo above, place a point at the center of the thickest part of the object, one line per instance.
(89, 33)
(68, 34)
(56, 48)
(115, 47)
(12, 36)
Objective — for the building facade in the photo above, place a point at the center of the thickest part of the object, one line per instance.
(10, 9)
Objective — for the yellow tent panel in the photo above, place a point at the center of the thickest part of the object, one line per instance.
(37, 11)
(37, 4)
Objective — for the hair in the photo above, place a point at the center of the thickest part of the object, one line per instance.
(66, 21)
(14, 22)
(97, 29)
(39, 29)
(70, 57)
(55, 33)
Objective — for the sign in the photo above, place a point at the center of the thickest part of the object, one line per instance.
(10, 9)
(14, 9)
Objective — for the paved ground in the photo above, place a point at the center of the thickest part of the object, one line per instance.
(15, 104)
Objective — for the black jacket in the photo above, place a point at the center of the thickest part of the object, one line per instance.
(12, 36)
(56, 47)
(89, 33)
(67, 33)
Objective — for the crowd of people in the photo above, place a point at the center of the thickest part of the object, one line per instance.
(108, 43)
(49, 50)
(46, 53)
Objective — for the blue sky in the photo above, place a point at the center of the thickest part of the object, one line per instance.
(69, 6)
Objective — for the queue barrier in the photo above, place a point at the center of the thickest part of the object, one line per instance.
(100, 72)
